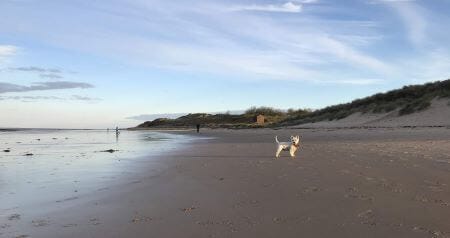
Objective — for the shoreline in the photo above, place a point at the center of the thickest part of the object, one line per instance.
(343, 183)
(32, 188)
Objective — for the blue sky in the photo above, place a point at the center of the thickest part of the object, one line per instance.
(96, 64)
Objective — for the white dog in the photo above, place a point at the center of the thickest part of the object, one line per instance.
(292, 146)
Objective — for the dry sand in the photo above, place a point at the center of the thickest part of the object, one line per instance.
(438, 114)
(343, 183)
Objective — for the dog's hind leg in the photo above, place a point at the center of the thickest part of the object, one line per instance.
(277, 154)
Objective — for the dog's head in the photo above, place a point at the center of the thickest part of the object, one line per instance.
(295, 140)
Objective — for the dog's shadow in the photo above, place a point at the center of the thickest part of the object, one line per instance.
(231, 156)
(239, 157)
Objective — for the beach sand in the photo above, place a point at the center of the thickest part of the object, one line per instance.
(343, 183)
(437, 114)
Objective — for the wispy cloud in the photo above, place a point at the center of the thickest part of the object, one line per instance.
(227, 39)
(432, 67)
(346, 52)
(7, 51)
(412, 16)
(149, 117)
(414, 21)
(41, 86)
(46, 73)
(217, 42)
(36, 69)
(84, 98)
(29, 69)
(286, 7)
(396, 0)
(49, 98)
(51, 76)
(306, 1)
(361, 81)
(30, 98)
(271, 49)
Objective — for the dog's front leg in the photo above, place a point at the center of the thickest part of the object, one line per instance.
(292, 152)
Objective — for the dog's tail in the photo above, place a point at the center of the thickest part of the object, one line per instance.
(276, 139)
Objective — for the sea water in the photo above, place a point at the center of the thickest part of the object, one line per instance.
(49, 168)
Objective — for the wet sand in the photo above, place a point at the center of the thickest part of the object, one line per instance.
(343, 183)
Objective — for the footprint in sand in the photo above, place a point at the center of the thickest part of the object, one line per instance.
(289, 219)
(40, 223)
(69, 225)
(425, 199)
(67, 199)
(311, 189)
(141, 219)
(4, 226)
(436, 186)
(353, 193)
(368, 218)
(226, 223)
(434, 233)
(94, 221)
(345, 171)
(252, 203)
(14, 217)
(188, 209)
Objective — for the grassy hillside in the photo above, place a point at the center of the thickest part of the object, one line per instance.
(406, 100)
(190, 120)
(245, 120)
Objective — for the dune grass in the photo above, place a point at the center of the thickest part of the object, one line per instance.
(406, 100)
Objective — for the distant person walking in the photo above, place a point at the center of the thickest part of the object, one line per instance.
(117, 131)
(198, 128)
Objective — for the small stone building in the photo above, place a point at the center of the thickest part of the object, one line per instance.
(260, 119)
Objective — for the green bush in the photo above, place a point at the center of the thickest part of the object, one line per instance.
(266, 111)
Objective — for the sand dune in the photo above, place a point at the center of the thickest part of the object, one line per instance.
(438, 114)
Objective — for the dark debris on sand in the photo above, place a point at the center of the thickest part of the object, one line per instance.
(109, 151)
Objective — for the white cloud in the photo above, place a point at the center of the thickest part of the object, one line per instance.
(41, 86)
(414, 21)
(49, 98)
(218, 42)
(307, 1)
(389, 1)
(397, 0)
(433, 66)
(350, 54)
(413, 17)
(286, 7)
(361, 81)
(7, 51)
